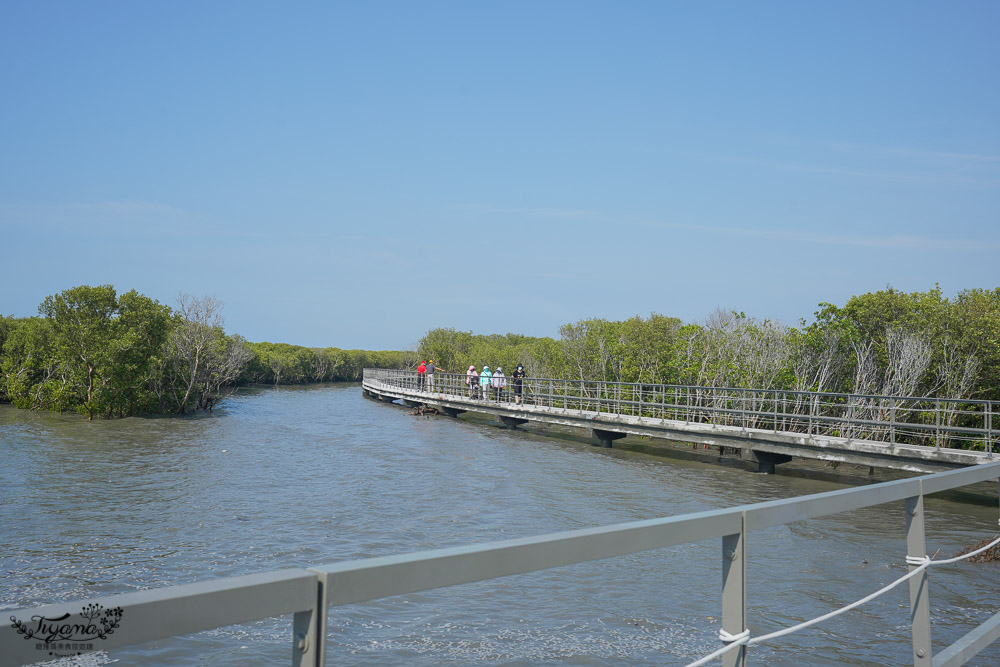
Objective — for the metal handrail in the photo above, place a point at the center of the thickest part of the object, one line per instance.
(307, 593)
(920, 420)
(802, 392)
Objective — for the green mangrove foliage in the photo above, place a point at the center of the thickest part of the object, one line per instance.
(280, 363)
(98, 353)
(91, 351)
(886, 342)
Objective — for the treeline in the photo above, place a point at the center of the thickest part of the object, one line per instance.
(886, 342)
(280, 363)
(98, 353)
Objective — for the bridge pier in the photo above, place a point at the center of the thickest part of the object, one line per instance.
(412, 403)
(386, 399)
(451, 412)
(607, 438)
(766, 461)
(512, 422)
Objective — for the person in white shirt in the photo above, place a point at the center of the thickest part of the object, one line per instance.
(499, 382)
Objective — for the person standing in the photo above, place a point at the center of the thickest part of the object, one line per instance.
(421, 375)
(499, 382)
(518, 377)
(430, 375)
(472, 379)
(485, 378)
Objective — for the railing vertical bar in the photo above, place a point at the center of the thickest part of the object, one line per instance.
(309, 636)
(892, 424)
(734, 611)
(812, 411)
(775, 406)
(937, 423)
(989, 426)
(920, 614)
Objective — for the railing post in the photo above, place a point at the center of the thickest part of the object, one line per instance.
(937, 422)
(743, 408)
(920, 607)
(812, 412)
(775, 410)
(989, 426)
(308, 635)
(892, 424)
(734, 607)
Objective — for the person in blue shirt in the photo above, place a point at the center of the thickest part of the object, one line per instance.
(485, 379)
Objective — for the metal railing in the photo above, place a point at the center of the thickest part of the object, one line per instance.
(938, 422)
(308, 593)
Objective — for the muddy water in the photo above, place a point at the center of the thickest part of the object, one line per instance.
(303, 476)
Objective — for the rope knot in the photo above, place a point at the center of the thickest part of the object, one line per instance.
(918, 560)
(741, 638)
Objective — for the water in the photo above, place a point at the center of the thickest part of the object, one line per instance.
(292, 477)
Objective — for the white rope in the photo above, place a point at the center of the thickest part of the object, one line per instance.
(920, 564)
(732, 642)
(920, 560)
(838, 612)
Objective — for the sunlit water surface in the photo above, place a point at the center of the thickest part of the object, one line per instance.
(291, 477)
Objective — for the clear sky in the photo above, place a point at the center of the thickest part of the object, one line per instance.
(354, 174)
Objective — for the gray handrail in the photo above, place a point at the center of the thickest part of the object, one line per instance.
(307, 593)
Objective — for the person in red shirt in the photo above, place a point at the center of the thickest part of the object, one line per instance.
(421, 375)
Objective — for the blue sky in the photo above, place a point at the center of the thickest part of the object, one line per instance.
(354, 174)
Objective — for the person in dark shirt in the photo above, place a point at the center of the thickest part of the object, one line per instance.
(430, 374)
(518, 377)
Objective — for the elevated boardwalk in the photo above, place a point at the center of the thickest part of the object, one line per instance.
(766, 426)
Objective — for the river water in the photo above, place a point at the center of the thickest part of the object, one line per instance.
(290, 477)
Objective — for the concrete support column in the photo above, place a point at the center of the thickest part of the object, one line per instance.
(512, 422)
(451, 412)
(607, 438)
(766, 461)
